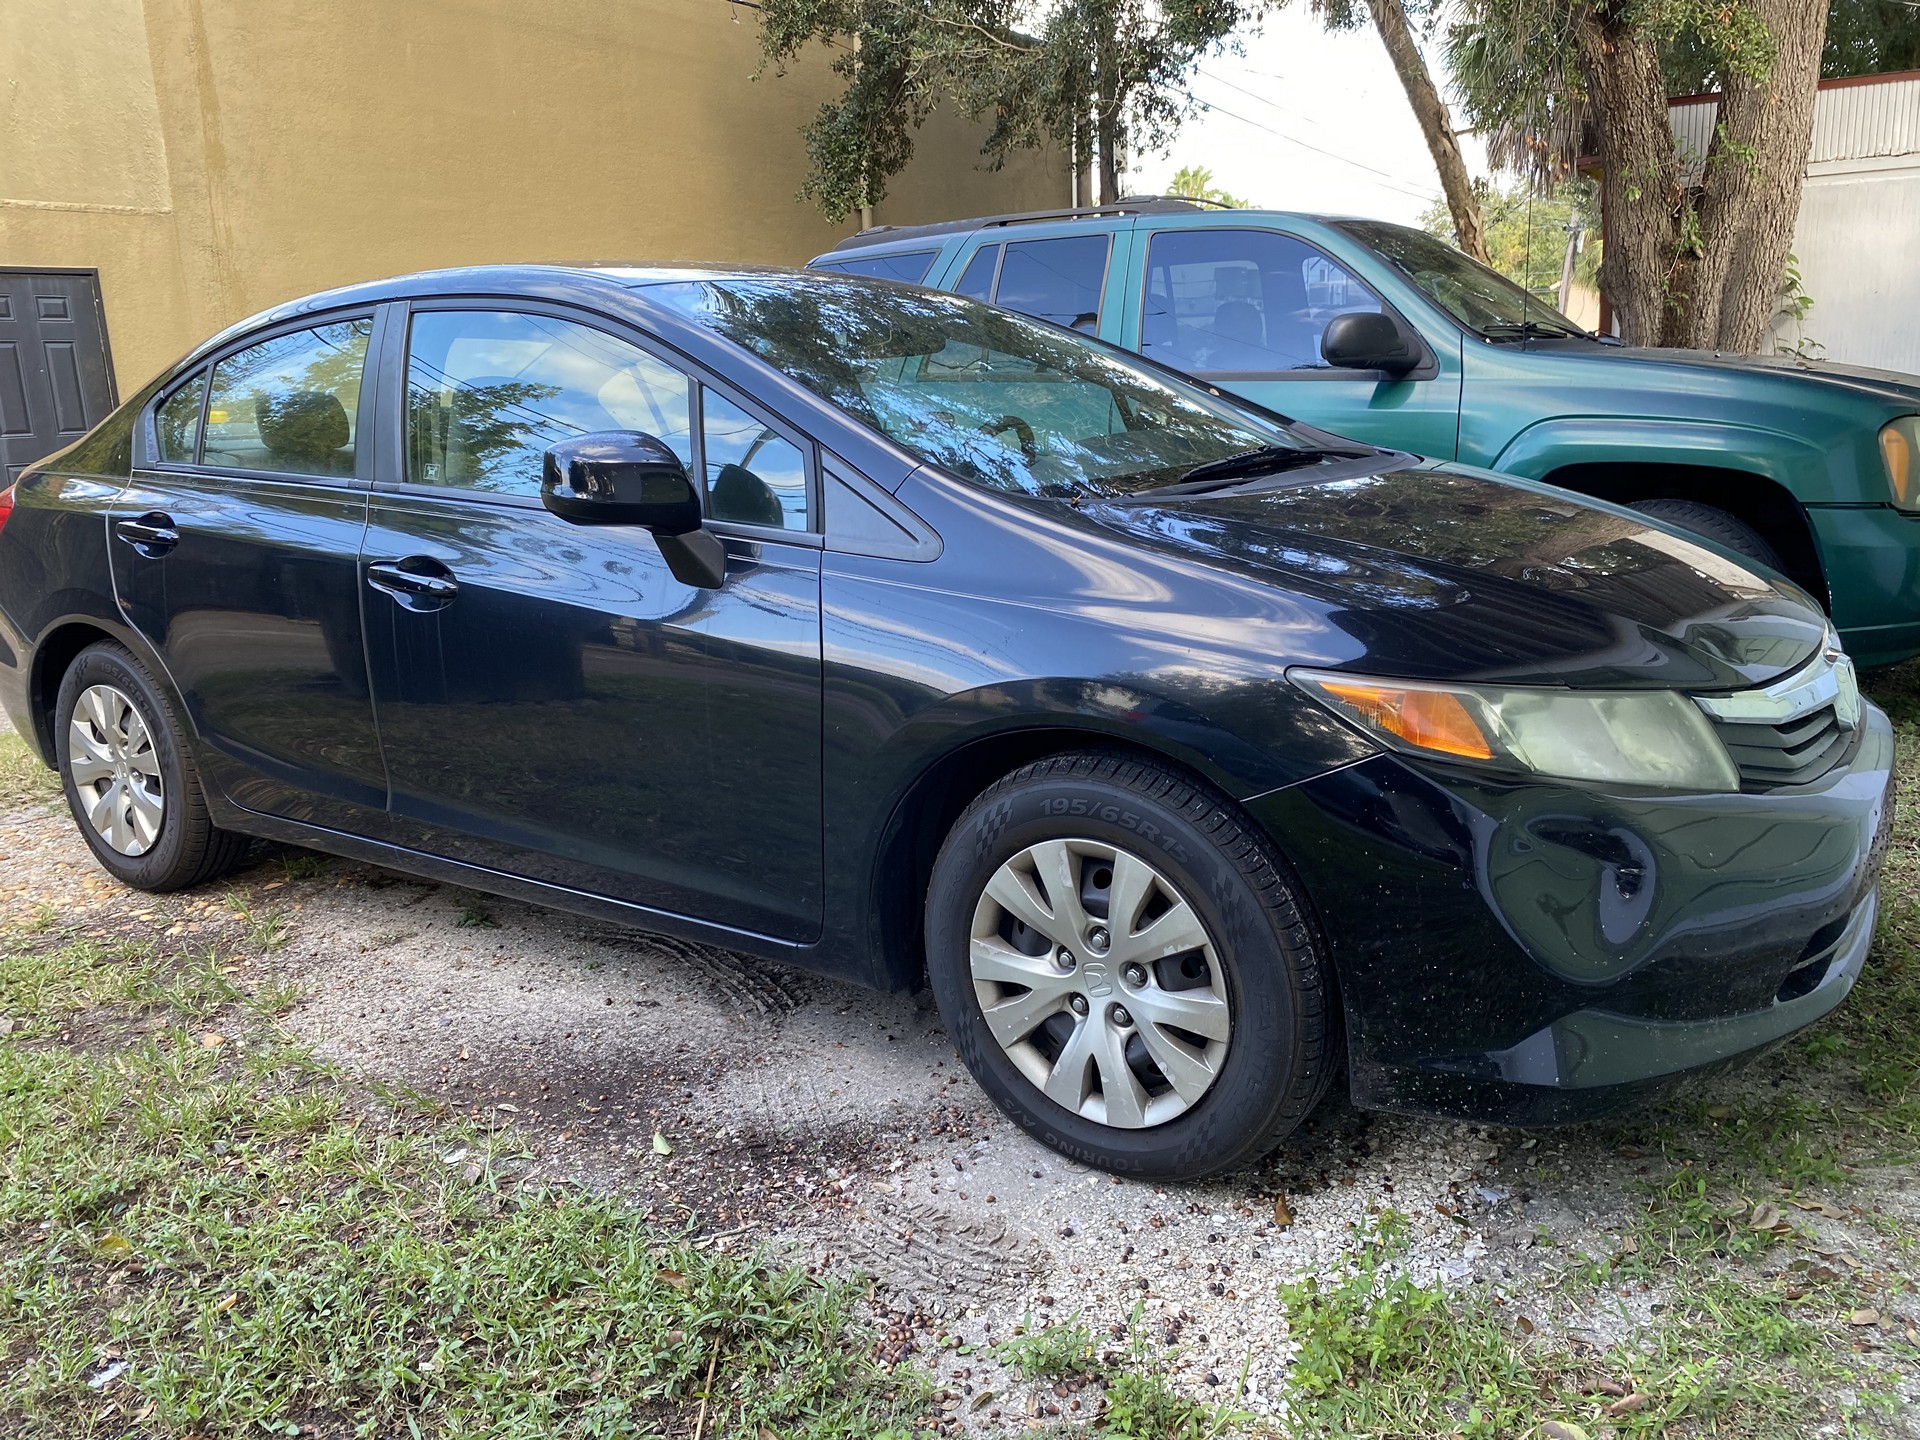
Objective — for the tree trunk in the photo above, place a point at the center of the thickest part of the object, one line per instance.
(1640, 189)
(1698, 261)
(1751, 204)
(1390, 19)
(1109, 122)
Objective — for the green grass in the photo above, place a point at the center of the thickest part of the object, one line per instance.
(1136, 1400)
(23, 778)
(216, 1210)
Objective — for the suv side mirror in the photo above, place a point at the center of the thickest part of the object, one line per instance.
(1367, 340)
(626, 477)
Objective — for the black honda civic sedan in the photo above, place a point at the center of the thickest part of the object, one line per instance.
(1184, 751)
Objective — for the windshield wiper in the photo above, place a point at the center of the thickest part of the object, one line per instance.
(1534, 329)
(1230, 470)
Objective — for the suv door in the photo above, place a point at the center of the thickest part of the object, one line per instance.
(1245, 307)
(552, 702)
(233, 551)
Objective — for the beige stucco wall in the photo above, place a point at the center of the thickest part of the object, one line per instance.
(212, 157)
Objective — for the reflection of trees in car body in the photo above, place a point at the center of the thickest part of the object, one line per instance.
(493, 422)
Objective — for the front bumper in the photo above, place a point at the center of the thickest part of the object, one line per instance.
(1534, 954)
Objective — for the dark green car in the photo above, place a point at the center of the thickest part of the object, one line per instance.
(1384, 333)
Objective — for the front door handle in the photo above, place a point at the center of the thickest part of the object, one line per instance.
(152, 534)
(418, 582)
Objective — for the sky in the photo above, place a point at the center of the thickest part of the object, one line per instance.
(1305, 120)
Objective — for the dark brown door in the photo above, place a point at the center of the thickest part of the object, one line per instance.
(56, 382)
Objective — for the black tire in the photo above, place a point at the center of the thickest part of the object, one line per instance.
(1283, 1049)
(1716, 524)
(187, 849)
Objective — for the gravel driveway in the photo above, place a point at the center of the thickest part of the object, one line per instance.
(805, 1113)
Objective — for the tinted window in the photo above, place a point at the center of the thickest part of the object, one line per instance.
(290, 404)
(753, 475)
(908, 265)
(1058, 280)
(977, 282)
(1242, 300)
(1470, 292)
(178, 422)
(988, 395)
(488, 391)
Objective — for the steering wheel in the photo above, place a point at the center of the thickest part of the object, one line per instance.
(1021, 429)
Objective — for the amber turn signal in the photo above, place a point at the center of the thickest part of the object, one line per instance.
(1428, 719)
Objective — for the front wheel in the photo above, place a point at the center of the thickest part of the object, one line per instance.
(1125, 969)
(128, 778)
(1715, 524)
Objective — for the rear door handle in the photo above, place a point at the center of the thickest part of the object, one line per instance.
(153, 534)
(418, 582)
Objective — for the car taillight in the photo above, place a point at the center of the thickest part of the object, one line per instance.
(6, 505)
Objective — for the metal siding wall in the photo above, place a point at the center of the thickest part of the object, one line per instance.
(1858, 231)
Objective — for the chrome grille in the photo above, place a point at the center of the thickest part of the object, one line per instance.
(1794, 730)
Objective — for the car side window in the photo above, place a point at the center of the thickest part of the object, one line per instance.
(910, 266)
(489, 390)
(755, 475)
(177, 422)
(1242, 300)
(976, 281)
(1058, 280)
(289, 405)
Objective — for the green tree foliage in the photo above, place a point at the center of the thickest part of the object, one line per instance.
(1527, 233)
(1102, 78)
(1195, 182)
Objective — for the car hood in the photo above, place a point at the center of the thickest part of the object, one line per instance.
(1440, 572)
(1886, 386)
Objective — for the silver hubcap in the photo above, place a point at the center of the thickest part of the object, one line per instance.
(115, 772)
(1100, 983)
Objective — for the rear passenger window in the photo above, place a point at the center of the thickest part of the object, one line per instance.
(289, 405)
(178, 422)
(1058, 280)
(755, 476)
(489, 390)
(910, 266)
(977, 282)
(1242, 300)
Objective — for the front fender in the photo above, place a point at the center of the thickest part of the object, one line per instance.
(1801, 467)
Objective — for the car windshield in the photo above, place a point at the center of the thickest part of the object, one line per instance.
(989, 395)
(1479, 298)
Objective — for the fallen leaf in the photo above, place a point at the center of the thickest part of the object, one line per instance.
(1627, 1404)
(209, 1039)
(1282, 1216)
(1719, 1112)
(510, 1109)
(1767, 1216)
(1820, 1207)
(674, 1280)
(1607, 1387)
(982, 1400)
(113, 1243)
(1864, 1317)
(1561, 1430)
(766, 1433)
(226, 1303)
(1526, 1325)
(660, 1145)
(6, 1025)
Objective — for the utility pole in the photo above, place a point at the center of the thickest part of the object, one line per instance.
(1574, 231)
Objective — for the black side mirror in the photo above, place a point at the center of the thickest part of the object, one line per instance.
(1367, 340)
(625, 477)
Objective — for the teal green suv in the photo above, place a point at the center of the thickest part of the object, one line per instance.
(1388, 335)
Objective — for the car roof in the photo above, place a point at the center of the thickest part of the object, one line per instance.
(1195, 213)
(577, 283)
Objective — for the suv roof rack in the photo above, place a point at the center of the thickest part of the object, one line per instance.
(1125, 205)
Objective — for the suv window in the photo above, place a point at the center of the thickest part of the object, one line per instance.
(908, 265)
(755, 476)
(489, 390)
(1058, 280)
(976, 283)
(177, 422)
(1242, 300)
(289, 405)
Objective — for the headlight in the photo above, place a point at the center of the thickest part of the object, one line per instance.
(1621, 737)
(1900, 449)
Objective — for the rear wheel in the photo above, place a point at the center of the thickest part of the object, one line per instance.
(1125, 969)
(129, 781)
(1714, 523)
